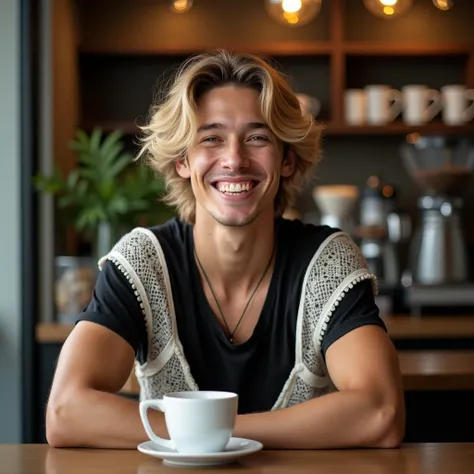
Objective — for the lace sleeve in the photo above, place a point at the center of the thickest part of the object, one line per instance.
(337, 266)
(138, 257)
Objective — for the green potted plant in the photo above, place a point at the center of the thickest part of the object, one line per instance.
(107, 192)
(104, 196)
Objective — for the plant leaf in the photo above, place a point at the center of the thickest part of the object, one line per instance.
(120, 164)
(95, 138)
(111, 141)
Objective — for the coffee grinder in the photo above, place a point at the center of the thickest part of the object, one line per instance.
(336, 204)
(438, 263)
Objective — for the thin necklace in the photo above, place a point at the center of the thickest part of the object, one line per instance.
(232, 333)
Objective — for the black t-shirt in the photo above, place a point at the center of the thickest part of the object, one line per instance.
(257, 369)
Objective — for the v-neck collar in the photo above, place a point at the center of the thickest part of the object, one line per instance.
(205, 307)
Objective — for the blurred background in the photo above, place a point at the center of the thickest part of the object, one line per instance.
(390, 81)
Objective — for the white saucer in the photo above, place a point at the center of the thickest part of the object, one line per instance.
(236, 447)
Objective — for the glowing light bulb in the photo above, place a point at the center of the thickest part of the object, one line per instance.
(443, 4)
(387, 8)
(291, 6)
(293, 12)
(180, 6)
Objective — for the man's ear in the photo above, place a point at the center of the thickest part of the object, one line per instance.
(182, 167)
(288, 164)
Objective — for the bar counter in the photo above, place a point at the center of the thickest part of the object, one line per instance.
(398, 327)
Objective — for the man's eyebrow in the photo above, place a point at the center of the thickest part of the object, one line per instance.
(219, 126)
(252, 125)
(210, 126)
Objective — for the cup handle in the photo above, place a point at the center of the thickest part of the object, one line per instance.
(156, 405)
(436, 104)
(469, 112)
(396, 97)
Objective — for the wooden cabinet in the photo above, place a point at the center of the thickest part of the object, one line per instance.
(124, 51)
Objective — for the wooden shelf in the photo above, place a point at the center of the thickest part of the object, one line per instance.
(361, 48)
(399, 128)
(296, 48)
(330, 129)
(276, 48)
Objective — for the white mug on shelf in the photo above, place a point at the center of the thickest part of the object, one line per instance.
(198, 422)
(355, 107)
(420, 104)
(384, 104)
(456, 107)
(309, 105)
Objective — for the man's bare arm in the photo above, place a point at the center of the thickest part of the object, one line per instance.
(367, 411)
(83, 408)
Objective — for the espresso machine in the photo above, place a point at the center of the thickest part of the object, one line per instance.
(382, 231)
(438, 270)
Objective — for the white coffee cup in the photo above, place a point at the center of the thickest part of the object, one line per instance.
(354, 106)
(384, 104)
(456, 107)
(420, 104)
(198, 422)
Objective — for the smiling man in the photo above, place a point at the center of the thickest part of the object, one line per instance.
(231, 296)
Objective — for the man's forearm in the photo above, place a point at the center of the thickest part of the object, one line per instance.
(91, 418)
(343, 419)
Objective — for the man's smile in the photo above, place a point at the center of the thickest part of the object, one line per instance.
(235, 188)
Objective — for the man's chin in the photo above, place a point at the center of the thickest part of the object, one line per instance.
(230, 220)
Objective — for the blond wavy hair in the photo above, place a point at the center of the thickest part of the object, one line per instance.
(172, 126)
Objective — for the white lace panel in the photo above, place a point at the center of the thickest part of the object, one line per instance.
(338, 259)
(301, 392)
(139, 251)
(169, 379)
(353, 269)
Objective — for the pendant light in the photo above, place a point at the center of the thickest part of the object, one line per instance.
(180, 6)
(443, 4)
(387, 8)
(293, 12)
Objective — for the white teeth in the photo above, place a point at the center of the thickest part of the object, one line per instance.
(234, 188)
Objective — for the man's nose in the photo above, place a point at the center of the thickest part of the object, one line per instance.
(235, 156)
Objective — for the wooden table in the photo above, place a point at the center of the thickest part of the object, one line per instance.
(410, 459)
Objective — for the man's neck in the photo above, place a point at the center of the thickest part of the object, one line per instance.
(234, 258)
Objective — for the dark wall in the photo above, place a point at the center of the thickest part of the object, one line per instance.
(147, 25)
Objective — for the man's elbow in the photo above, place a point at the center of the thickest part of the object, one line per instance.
(390, 426)
(58, 426)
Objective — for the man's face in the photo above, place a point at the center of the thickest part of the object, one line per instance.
(236, 162)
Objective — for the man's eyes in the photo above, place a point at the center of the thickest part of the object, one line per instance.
(209, 139)
(253, 138)
(258, 137)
